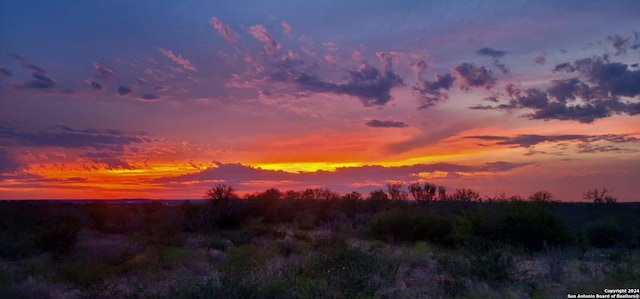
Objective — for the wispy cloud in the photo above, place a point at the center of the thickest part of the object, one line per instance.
(374, 123)
(66, 137)
(224, 30)
(541, 58)
(94, 85)
(286, 28)
(430, 93)
(260, 33)
(491, 52)
(239, 174)
(474, 76)
(184, 63)
(529, 140)
(102, 71)
(5, 71)
(124, 90)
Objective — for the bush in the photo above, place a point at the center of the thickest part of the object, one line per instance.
(530, 225)
(408, 226)
(533, 226)
(229, 215)
(17, 244)
(604, 234)
(59, 238)
(493, 265)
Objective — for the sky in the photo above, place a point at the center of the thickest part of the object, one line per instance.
(164, 99)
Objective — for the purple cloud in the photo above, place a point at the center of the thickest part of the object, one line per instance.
(286, 28)
(5, 71)
(184, 63)
(102, 70)
(491, 52)
(124, 90)
(95, 85)
(473, 76)
(529, 140)
(260, 33)
(62, 136)
(235, 174)
(541, 58)
(374, 123)
(224, 30)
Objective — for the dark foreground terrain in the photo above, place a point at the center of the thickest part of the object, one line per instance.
(318, 244)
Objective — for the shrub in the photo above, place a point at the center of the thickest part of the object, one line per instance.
(170, 256)
(531, 225)
(408, 226)
(603, 234)
(59, 238)
(493, 265)
(17, 244)
(228, 215)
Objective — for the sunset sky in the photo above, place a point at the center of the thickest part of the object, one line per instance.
(163, 99)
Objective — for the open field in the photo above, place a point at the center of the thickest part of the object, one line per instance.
(323, 245)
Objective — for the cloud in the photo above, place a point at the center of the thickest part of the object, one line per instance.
(149, 96)
(5, 71)
(368, 83)
(95, 85)
(224, 30)
(234, 174)
(331, 46)
(36, 68)
(600, 89)
(501, 66)
(473, 76)
(286, 28)
(613, 78)
(111, 160)
(66, 137)
(529, 98)
(184, 63)
(433, 92)
(491, 52)
(23, 61)
(7, 162)
(584, 113)
(568, 90)
(40, 81)
(124, 90)
(331, 59)
(102, 70)
(622, 45)
(260, 33)
(495, 54)
(541, 58)
(529, 140)
(374, 123)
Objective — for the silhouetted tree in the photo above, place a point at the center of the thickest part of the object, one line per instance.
(319, 194)
(349, 203)
(600, 196)
(292, 195)
(396, 192)
(466, 195)
(221, 193)
(423, 194)
(378, 200)
(541, 196)
(442, 193)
